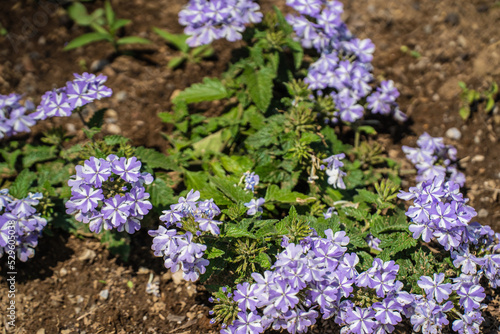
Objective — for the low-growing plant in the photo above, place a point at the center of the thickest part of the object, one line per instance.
(472, 100)
(188, 54)
(287, 208)
(105, 25)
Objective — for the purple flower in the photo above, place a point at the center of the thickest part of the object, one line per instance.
(360, 320)
(128, 169)
(248, 323)
(244, 295)
(251, 180)
(116, 209)
(283, 296)
(254, 206)
(96, 171)
(471, 296)
(388, 311)
(85, 198)
(435, 288)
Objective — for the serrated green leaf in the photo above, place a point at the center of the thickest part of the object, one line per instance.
(260, 85)
(161, 193)
(209, 90)
(236, 164)
(79, 14)
(34, 154)
(236, 231)
(19, 188)
(366, 196)
(167, 117)
(155, 159)
(115, 140)
(213, 253)
(211, 144)
(87, 39)
(231, 190)
(97, 119)
(264, 260)
(464, 112)
(274, 193)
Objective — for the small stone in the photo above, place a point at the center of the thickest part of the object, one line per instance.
(452, 19)
(478, 158)
(71, 128)
(435, 97)
(143, 271)
(78, 310)
(114, 129)
(63, 272)
(40, 331)
(79, 299)
(462, 41)
(66, 331)
(175, 93)
(428, 29)
(176, 318)
(87, 254)
(121, 96)
(104, 294)
(483, 213)
(111, 113)
(191, 315)
(177, 277)
(42, 40)
(98, 65)
(453, 133)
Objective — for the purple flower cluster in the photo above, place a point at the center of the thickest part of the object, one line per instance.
(179, 250)
(433, 158)
(344, 66)
(110, 193)
(207, 21)
(317, 277)
(83, 90)
(335, 174)
(20, 225)
(13, 115)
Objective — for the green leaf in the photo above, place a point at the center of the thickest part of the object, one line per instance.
(237, 231)
(209, 90)
(90, 133)
(87, 39)
(117, 243)
(210, 144)
(34, 154)
(115, 140)
(110, 14)
(177, 40)
(167, 117)
(308, 138)
(133, 40)
(155, 159)
(161, 193)
(366, 196)
(236, 164)
(367, 129)
(119, 24)
(260, 85)
(464, 112)
(176, 62)
(275, 194)
(490, 104)
(231, 190)
(97, 119)
(19, 188)
(264, 260)
(213, 253)
(10, 157)
(79, 14)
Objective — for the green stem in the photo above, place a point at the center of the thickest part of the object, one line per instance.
(356, 137)
(79, 111)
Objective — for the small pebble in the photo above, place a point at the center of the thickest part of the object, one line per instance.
(40, 331)
(478, 158)
(104, 294)
(452, 19)
(98, 65)
(114, 129)
(177, 277)
(63, 272)
(453, 133)
(483, 213)
(121, 96)
(87, 254)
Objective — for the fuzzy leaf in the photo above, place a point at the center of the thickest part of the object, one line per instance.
(209, 90)
(161, 193)
(155, 159)
(231, 190)
(260, 85)
(19, 188)
(213, 253)
(34, 154)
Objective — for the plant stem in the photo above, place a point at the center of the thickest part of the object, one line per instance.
(79, 111)
(356, 137)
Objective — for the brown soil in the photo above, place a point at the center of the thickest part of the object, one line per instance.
(59, 290)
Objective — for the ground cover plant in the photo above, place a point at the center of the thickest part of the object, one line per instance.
(283, 206)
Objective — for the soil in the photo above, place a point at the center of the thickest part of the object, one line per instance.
(75, 286)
